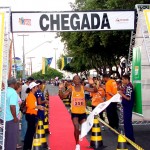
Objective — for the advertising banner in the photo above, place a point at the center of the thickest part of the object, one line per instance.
(1, 45)
(72, 21)
(136, 80)
(147, 18)
(17, 64)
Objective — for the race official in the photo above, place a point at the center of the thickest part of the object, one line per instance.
(111, 90)
(127, 103)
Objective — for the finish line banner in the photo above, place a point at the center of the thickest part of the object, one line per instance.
(72, 21)
(87, 125)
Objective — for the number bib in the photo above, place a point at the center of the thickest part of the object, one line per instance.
(78, 102)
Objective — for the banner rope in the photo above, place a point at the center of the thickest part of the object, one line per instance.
(128, 140)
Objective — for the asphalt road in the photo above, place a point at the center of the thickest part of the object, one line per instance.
(110, 139)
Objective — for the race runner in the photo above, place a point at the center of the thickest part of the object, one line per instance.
(78, 105)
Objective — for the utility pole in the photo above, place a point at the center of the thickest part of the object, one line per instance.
(31, 63)
(23, 73)
(55, 57)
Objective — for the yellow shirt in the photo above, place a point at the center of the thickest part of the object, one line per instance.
(78, 101)
(111, 87)
(31, 103)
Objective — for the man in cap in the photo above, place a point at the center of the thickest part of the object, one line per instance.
(23, 97)
(12, 110)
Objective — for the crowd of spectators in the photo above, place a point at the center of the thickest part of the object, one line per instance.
(25, 104)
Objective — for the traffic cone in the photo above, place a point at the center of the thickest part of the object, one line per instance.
(36, 145)
(122, 143)
(96, 137)
(41, 132)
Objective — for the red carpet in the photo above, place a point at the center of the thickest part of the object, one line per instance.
(61, 127)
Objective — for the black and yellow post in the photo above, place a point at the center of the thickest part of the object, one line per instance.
(96, 137)
(36, 145)
(47, 98)
(66, 101)
(41, 132)
(46, 123)
(122, 144)
(47, 95)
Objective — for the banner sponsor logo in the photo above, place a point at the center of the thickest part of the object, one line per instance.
(23, 21)
(73, 21)
(125, 20)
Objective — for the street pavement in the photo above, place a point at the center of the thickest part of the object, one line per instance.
(110, 139)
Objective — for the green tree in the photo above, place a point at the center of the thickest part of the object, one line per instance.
(50, 74)
(98, 50)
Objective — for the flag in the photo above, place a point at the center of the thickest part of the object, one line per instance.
(43, 65)
(62, 63)
(65, 61)
(46, 62)
(69, 59)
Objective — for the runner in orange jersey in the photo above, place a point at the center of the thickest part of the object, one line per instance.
(78, 105)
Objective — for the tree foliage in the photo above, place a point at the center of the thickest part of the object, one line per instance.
(97, 49)
(50, 74)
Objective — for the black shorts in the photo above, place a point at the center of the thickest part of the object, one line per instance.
(79, 116)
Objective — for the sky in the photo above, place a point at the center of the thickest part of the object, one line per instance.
(42, 44)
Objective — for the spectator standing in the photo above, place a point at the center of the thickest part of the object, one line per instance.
(127, 103)
(12, 110)
(31, 115)
(97, 98)
(23, 98)
(40, 100)
(18, 88)
(111, 90)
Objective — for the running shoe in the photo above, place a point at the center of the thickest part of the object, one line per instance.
(77, 147)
